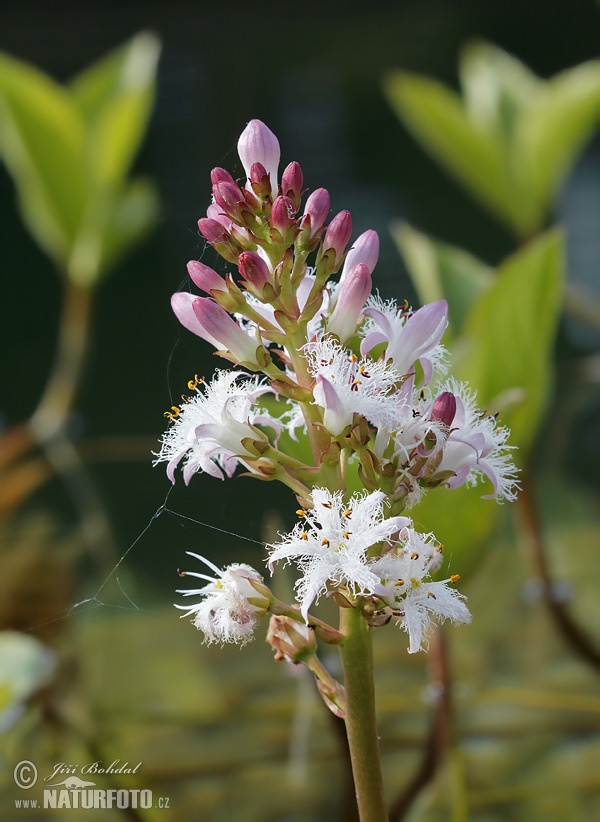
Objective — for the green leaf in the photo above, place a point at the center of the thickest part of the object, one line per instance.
(112, 224)
(116, 96)
(42, 141)
(476, 157)
(441, 271)
(135, 213)
(507, 344)
(497, 87)
(553, 129)
(505, 353)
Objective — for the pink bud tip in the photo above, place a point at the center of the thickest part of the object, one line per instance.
(338, 233)
(352, 295)
(205, 277)
(253, 268)
(444, 408)
(212, 231)
(229, 196)
(222, 331)
(365, 249)
(291, 182)
(220, 175)
(283, 214)
(258, 144)
(316, 210)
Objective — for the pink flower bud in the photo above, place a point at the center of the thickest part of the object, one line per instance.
(291, 182)
(351, 297)
(365, 249)
(258, 144)
(182, 304)
(214, 212)
(316, 210)
(212, 231)
(259, 181)
(283, 214)
(338, 234)
(220, 175)
(253, 269)
(229, 197)
(205, 277)
(444, 408)
(218, 328)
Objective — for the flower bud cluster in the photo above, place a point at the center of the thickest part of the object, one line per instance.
(359, 378)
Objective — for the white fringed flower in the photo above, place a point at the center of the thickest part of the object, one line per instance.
(231, 605)
(208, 431)
(345, 385)
(330, 546)
(476, 447)
(408, 592)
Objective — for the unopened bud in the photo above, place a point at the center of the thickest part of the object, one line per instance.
(283, 215)
(351, 297)
(205, 277)
(218, 328)
(253, 269)
(213, 231)
(338, 234)
(365, 249)
(444, 408)
(258, 144)
(220, 175)
(259, 180)
(229, 197)
(316, 210)
(291, 640)
(291, 183)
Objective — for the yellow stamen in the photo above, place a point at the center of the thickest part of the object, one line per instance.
(454, 578)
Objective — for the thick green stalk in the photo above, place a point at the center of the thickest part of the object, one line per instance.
(361, 726)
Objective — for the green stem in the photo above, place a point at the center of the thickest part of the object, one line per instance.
(361, 727)
(57, 400)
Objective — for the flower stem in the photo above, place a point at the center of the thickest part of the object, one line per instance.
(361, 727)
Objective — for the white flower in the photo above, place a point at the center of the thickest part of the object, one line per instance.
(408, 337)
(232, 603)
(345, 385)
(476, 447)
(208, 431)
(331, 545)
(409, 593)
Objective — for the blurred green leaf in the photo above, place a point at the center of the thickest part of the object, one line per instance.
(505, 353)
(69, 154)
(132, 217)
(508, 339)
(42, 140)
(496, 87)
(115, 96)
(555, 126)
(512, 138)
(477, 159)
(441, 271)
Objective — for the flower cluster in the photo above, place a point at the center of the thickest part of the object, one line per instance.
(360, 378)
